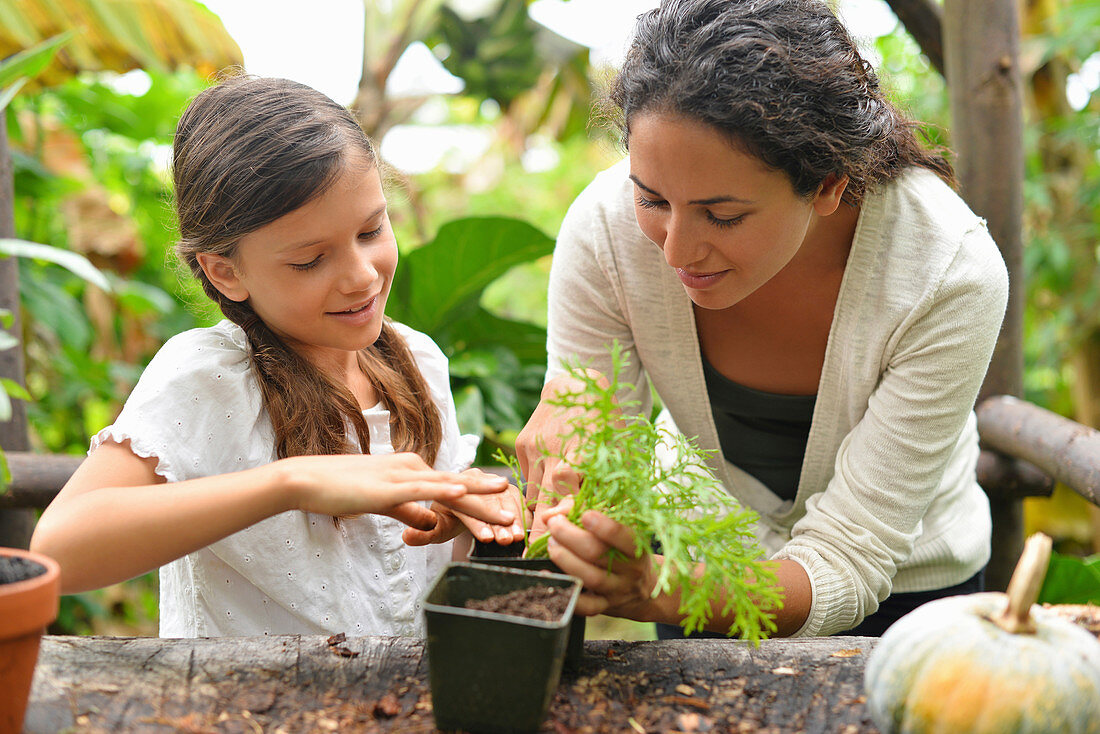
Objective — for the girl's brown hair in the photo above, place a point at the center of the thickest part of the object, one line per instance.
(781, 78)
(248, 151)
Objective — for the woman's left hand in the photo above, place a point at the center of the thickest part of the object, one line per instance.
(625, 589)
(454, 517)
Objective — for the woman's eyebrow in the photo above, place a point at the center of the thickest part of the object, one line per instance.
(642, 186)
(696, 202)
(721, 200)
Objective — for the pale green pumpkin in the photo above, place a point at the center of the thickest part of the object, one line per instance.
(952, 667)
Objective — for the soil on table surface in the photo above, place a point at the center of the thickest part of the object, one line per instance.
(17, 568)
(1082, 615)
(544, 603)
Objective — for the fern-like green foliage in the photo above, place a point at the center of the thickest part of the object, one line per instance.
(705, 536)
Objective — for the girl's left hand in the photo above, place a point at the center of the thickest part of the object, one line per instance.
(458, 515)
(625, 589)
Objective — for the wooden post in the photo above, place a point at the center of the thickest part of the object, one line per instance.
(15, 525)
(981, 41)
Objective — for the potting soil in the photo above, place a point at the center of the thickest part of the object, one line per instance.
(15, 568)
(544, 603)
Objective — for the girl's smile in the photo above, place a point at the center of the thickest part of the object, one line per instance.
(358, 315)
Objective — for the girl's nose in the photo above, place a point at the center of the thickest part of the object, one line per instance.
(360, 272)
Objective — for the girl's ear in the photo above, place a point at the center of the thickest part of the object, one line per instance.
(223, 275)
(830, 194)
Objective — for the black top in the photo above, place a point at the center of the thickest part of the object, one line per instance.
(762, 433)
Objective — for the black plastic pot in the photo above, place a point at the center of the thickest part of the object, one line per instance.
(492, 672)
(508, 556)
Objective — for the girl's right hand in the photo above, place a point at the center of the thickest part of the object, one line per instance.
(391, 484)
(461, 515)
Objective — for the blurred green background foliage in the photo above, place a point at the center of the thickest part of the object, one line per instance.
(91, 175)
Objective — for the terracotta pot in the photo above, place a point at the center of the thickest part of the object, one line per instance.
(26, 607)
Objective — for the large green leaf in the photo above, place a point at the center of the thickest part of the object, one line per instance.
(93, 105)
(1071, 580)
(59, 311)
(496, 55)
(29, 62)
(508, 389)
(71, 261)
(482, 329)
(13, 388)
(470, 409)
(441, 281)
(10, 389)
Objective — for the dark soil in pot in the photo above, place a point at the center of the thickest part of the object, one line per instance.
(535, 602)
(509, 556)
(14, 568)
(495, 550)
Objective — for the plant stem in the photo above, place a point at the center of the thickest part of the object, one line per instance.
(538, 548)
(1023, 589)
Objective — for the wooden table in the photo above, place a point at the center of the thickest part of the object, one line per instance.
(292, 684)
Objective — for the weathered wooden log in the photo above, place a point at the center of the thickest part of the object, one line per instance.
(1064, 449)
(291, 683)
(1007, 478)
(37, 478)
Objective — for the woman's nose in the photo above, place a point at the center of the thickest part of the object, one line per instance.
(680, 247)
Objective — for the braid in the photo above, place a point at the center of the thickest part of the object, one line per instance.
(309, 412)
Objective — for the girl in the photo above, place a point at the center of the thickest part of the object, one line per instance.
(807, 294)
(243, 442)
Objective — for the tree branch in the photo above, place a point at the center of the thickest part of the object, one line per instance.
(923, 19)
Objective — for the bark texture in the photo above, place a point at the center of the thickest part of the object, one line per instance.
(292, 683)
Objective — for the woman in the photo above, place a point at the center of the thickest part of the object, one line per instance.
(798, 281)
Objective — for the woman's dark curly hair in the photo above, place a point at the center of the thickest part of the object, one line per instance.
(783, 79)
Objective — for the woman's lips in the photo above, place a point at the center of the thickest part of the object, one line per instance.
(700, 281)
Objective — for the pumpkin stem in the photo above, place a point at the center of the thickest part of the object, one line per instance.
(1023, 588)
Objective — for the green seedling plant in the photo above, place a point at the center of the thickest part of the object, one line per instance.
(705, 536)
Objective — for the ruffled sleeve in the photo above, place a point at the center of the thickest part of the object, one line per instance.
(197, 408)
(457, 450)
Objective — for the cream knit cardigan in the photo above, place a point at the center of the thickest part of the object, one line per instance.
(887, 499)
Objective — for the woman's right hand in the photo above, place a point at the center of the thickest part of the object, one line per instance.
(602, 553)
(390, 484)
(540, 448)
